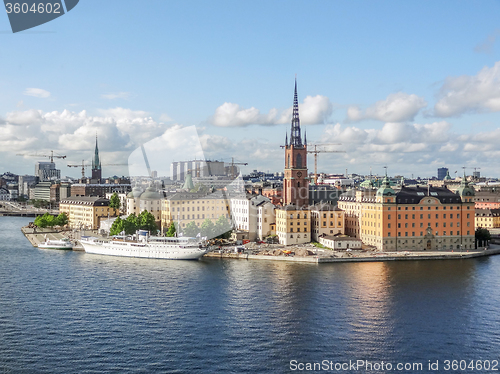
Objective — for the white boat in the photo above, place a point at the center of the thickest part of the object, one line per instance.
(56, 244)
(181, 248)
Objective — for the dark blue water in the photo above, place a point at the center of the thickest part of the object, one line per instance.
(71, 312)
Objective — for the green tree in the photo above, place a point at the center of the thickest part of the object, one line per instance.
(147, 221)
(47, 220)
(208, 229)
(482, 237)
(41, 221)
(131, 224)
(116, 227)
(62, 219)
(191, 229)
(114, 202)
(171, 230)
(223, 228)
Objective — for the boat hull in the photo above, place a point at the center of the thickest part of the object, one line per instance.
(64, 248)
(143, 250)
(56, 244)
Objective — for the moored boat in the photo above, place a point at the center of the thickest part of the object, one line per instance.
(167, 248)
(56, 244)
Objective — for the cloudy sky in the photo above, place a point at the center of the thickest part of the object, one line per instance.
(412, 85)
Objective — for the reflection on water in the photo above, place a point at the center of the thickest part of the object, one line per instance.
(71, 312)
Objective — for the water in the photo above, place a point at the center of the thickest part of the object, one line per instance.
(67, 312)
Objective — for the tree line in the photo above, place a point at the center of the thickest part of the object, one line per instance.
(145, 221)
(48, 220)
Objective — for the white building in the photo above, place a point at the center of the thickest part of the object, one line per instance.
(266, 219)
(253, 214)
(149, 200)
(340, 242)
(4, 194)
(123, 200)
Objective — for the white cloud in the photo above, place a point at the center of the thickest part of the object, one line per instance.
(37, 92)
(116, 95)
(73, 133)
(314, 110)
(478, 93)
(408, 148)
(397, 107)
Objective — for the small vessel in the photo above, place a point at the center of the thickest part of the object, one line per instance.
(56, 244)
(145, 246)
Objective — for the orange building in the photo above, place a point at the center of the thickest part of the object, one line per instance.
(414, 218)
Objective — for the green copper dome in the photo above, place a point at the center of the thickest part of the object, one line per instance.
(151, 194)
(188, 183)
(136, 192)
(465, 189)
(385, 189)
(447, 177)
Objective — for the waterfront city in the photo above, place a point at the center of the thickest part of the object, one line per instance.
(235, 187)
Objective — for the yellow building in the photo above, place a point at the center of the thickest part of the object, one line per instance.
(487, 218)
(326, 220)
(185, 207)
(413, 218)
(293, 226)
(150, 200)
(85, 211)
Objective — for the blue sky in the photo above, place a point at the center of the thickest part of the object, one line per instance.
(412, 85)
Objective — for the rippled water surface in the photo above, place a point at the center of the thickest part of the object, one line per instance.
(68, 312)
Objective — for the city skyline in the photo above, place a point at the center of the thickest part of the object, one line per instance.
(398, 84)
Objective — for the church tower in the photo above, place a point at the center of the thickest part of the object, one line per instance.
(296, 181)
(96, 164)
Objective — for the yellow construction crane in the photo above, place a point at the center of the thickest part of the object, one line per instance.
(83, 166)
(37, 155)
(316, 151)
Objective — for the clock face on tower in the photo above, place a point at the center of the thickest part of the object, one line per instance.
(299, 174)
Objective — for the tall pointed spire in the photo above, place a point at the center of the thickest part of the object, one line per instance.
(295, 138)
(96, 163)
(286, 139)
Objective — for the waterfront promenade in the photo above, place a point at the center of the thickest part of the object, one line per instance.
(359, 256)
(36, 236)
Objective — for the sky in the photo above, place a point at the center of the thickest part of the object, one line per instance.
(411, 85)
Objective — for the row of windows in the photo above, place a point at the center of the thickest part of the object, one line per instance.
(422, 234)
(422, 224)
(196, 202)
(192, 216)
(429, 216)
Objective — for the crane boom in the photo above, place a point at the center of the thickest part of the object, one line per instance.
(51, 156)
(316, 151)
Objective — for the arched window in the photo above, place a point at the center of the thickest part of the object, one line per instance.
(288, 164)
(298, 165)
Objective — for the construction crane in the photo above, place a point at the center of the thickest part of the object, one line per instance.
(316, 151)
(83, 166)
(37, 155)
(235, 163)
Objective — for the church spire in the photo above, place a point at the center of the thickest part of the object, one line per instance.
(286, 139)
(295, 138)
(96, 163)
